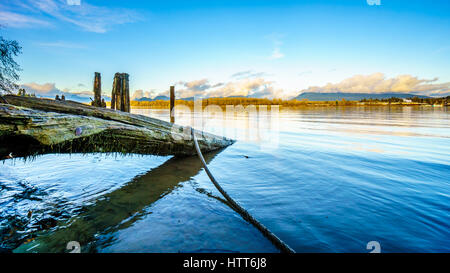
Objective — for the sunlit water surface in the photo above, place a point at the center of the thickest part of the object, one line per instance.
(322, 179)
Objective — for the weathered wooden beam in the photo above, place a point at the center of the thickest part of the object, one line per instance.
(30, 126)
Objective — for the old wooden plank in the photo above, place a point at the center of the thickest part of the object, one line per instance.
(30, 126)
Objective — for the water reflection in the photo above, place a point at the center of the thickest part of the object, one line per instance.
(369, 123)
(120, 208)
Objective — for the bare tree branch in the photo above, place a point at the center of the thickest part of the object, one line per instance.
(8, 67)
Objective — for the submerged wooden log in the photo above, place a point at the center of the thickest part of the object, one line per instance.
(31, 126)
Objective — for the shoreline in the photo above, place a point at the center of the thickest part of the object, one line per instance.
(224, 102)
(300, 106)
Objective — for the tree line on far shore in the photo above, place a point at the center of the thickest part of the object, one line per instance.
(292, 103)
(415, 100)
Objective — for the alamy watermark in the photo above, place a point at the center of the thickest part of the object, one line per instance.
(373, 2)
(252, 123)
(375, 246)
(74, 247)
(73, 2)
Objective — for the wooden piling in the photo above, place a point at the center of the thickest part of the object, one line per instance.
(114, 90)
(121, 93)
(172, 104)
(97, 87)
(126, 93)
(97, 90)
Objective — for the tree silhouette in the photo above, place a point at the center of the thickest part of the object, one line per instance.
(8, 67)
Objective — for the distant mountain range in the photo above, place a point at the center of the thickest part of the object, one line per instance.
(313, 96)
(150, 99)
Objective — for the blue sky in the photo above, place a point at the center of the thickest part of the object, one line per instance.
(273, 48)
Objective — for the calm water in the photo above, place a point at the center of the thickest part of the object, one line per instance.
(323, 180)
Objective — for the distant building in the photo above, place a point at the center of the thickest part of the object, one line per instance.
(407, 100)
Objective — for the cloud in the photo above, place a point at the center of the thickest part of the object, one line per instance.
(378, 83)
(259, 87)
(139, 94)
(190, 89)
(276, 54)
(16, 20)
(252, 87)
(61, 44)
(41, 89)
(248, 74)
(441, 50)
(197, 85)
(241, 74)
(85, 16)
(276, 41)
(256, 88)
(305, 73)
(49, 90)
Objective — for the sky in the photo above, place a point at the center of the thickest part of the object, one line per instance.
(232, 48)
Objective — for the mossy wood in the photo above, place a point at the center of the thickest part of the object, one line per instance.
(31, 126)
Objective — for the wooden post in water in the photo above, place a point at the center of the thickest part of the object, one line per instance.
(114, 92)
(126, 93)
(117, 91)
(97, 90)
(120, 96)
(172, 104)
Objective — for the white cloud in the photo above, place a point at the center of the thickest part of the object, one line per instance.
(247, 87)
(41, 89)
(139, 94)
(303, 73)
(85, 16)
(62, 44)
(16, 20)
(257, 88)
(248, 74)
(49, 90)
(260, 87)
(276, 54)
(197, 85)
(441, 50)
(276, 41)
(241, 74)
(378, 83)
